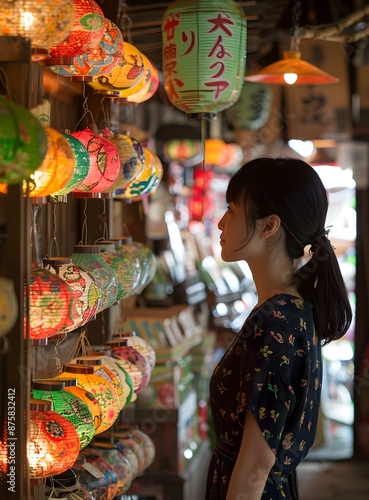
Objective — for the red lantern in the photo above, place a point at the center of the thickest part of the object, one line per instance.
(204, 55)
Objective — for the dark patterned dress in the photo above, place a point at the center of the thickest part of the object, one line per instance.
(272, 368)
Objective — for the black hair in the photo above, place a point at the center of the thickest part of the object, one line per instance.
(293, 190)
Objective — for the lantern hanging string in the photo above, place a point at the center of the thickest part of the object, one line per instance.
(54, 240)
(101, 108)
(83, 240)
(85, 108)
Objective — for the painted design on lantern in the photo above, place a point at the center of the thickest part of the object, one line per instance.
(54, 429)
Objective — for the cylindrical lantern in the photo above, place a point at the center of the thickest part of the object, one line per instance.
(139, 344)
(57, 168)
(53, 442)
(88, 258)
(23, 142)
(44, 23)
(103, 391)
(81, 167)
(124, 75)
(204, 55)
(83, 284)
(67, 405)
(51, 304)
(104, 164)
(97, 60)
(86, 32)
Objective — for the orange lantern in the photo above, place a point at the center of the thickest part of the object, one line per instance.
(148, 91)
(204, 55)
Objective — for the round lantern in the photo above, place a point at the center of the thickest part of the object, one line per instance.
(102, 390)
(131, 266)
(146, 443)
(99, 484)
(51, 304)
(71, 386)
(204, 55)
(83, 284)
(67, 405)
(104, 164)
(102, 369)
(221, 154)
(130, 455)
(129, 71)
(57, 168)
(143, 347)
(97, 60)
(44, 23)
(88, 258)
(119, 463)
(146, 93)
(187, 152)
(23, 142)
(146, 259)
(8, 306)
(53, 442)
(87, 30)
(81, 168)
(143, 84)
(124, 439)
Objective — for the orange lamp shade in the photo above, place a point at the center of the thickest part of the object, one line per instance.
(124, 75)
(97, 60)
(53, 442)
(104, 163)
(87, 30)
(143, 84)
(102, 390)
(57, 168)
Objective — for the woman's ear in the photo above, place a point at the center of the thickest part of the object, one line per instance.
(270, 226)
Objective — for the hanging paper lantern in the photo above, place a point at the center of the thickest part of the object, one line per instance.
(124, 439)
(129, 455)
(119, 463)
(23, 142)
(43, 22)
(131, 265)
(71, 386)
(253, 108)
(102, 390)
(67, 405)
(81, 166)
(8, 306)
(222, 154)
(86, 291)
(104, 164)
(204, 54)
(187, 152)
(128, 72)
(145, 257)
(88, 258)
(143, 84)
(57, 168)
(51, 304)
(146, 443)
(146, 93)
(97, 60)
(87, 30)
(101, 484)
(53, 442)
(139, 344)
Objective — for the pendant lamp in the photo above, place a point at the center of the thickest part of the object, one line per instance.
(142, 95)
(134, 340)
(97, 60)
(23, 142)
(87, 30)
(88, 258)
(102, 390)
(43, 22)
(292, 70)
(86, 291)
(187, 152)
(81, 167)
(104, 164)
(67, 405)
(204, 55)
(53, 442)
(143, 84)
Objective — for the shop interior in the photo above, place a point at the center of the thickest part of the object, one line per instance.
(124, 281)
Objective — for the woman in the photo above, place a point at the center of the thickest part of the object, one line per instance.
(265, 392)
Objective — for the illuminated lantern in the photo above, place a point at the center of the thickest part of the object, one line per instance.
(87, 30)
(88, 258)
(8, 306)
(71, 386)
(139, 344)
(53, 443)
(97, 60)
(81, 168)
(83, 285)
(187, 152)
(253, 108)
(146, 93)
(23, 142)
(102, 369)
(204, 55)
(57, 168)
(51, 304)
(104, 164)
(128, 72)
(44, 23)
(102, 390)
(67, 405)
(222, 154)
(143, 84)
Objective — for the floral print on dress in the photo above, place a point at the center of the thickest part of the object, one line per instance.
(272, 368)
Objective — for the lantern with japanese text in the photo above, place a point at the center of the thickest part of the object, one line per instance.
(204, 55)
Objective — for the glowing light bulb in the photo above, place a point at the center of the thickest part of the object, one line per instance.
(27, 20)
(290, 78)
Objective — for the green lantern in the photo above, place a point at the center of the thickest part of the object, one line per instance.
(204, 55)
(23, 142)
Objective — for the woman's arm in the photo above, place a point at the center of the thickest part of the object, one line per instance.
(253, 464)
